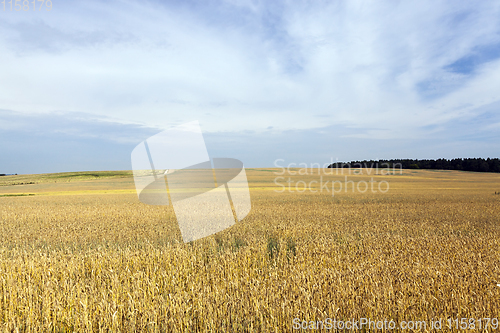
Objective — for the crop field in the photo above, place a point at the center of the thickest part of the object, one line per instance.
(79, 252)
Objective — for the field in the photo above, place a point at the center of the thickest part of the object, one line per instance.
(79, 252)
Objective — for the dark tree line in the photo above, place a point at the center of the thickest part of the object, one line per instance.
(464, 164)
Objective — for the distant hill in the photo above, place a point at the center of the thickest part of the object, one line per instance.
(463, 164)
(62, 177)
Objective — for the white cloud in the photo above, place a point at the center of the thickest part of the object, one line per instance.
(248, 65)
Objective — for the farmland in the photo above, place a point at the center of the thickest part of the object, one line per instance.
(79, 252)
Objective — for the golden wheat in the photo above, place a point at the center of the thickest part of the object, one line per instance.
(96, 262)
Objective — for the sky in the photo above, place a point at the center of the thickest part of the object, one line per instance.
(308, 82)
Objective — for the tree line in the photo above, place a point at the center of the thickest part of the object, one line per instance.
(464, 164)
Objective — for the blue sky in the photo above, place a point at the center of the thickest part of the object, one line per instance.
(301, 81)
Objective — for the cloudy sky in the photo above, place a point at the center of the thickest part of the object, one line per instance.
(303, 81)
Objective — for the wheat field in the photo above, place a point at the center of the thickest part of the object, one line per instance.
(79, 252)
